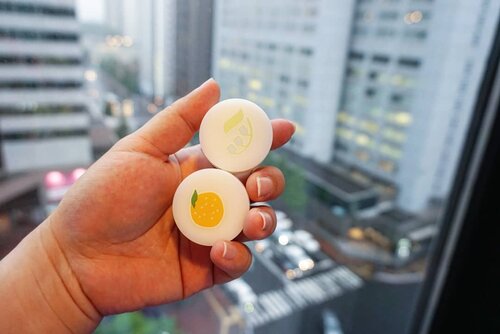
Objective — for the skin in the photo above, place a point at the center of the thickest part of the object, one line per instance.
(112, 245)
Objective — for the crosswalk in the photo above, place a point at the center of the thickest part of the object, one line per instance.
(277, 304)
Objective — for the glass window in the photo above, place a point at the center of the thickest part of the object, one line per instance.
(382, 93)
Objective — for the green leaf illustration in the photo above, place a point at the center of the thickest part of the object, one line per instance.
(233, 121)
(194, 198)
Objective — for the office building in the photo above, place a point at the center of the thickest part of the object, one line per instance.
(385, 88)
(288, 57)
(44, 120)
(194, 44)
(114, 18)
(412, 77)
(150, 28)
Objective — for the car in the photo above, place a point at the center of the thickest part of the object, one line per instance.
(283, 237)
(262, 245)
(290, 269)
(298, 257)
(242, 292)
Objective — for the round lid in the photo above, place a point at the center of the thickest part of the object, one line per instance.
(210, 205)
(236, 135)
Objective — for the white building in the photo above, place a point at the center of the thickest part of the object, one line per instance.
(287, 56)
(412, 78)
(398, 108)
(44, 121)
(151, 25)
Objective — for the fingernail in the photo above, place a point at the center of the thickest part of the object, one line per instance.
(210, 79)
(264, 186)
(229, 251)
(266, 219)
(294, 127)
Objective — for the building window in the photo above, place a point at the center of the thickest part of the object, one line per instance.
(360, 30)
(303, 83)
(355, 55)
(39, 84)
(44, 134)
(380, 59)
(41, 110)
(416, 34)
(284, 78)
(387, 166)
(409, 62)
(30, 60)
(397, 98)
(386, 32)
(370, 92)
(29, 8)
(271, 46)
(388, 15)
(341, 146)
(373, 75)
(306, 51)
(37, 35)
(363, 155)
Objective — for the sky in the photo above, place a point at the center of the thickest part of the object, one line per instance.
(90, 10)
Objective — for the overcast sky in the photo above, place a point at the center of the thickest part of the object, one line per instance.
(90, 10)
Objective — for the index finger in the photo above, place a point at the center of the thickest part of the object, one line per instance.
(172, 128)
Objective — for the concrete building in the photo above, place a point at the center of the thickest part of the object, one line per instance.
(114, 16)
(386, 88)
(287, 57)
(151, 26)
(194, 44)
(44, 120)
(412, 78)
(154, 40)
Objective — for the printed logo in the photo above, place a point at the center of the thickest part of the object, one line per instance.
(206, 209)
(239, 129)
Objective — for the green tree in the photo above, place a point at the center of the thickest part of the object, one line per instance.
(137, 323)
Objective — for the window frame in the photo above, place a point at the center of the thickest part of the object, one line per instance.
(466, 230)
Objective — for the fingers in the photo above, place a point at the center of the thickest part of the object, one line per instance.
(171, 129)
(265, 184)
(192, 158)
(282, 132)
(231, 260)
(259, 224)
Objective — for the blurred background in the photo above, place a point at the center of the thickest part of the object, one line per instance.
(381, 91)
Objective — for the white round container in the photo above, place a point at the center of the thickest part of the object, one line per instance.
(236, 135)
(210, 205)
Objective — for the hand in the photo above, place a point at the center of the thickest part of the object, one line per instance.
(117, 243)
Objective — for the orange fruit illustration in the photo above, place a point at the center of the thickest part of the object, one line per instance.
(206, 209)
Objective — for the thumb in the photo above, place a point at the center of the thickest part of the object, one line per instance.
(172, 128)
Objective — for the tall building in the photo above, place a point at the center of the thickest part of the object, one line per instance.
(412, 77)
(120, 16)
(43, 112)
(194, 44)
(288, 57)
(151, 26)
(114, 15)
(387, 88)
